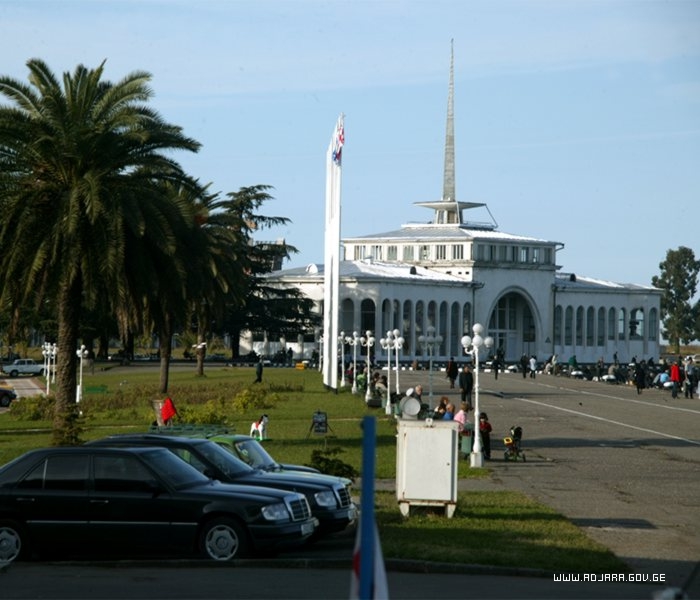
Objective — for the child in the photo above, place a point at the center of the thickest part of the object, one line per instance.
(485, 430)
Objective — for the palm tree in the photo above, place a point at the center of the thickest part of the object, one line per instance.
(82, 163)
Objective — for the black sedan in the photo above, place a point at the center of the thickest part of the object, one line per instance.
(135, 501)
(328, 496)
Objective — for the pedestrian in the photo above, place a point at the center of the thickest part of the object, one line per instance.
(466, 384)
(640, 376)
(259, 371)
(675, 379)
(452, 372)
(449, 412)
(485, 432)
(461, 415)
(689, 379)
(439, 412)
(523, 365)
(533, 366)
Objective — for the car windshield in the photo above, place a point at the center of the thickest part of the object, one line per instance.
(173, 470)
(225, 461)
(255, 455)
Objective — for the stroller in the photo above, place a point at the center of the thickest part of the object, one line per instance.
(512, 442)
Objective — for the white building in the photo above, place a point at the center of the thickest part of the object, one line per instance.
(451, 272)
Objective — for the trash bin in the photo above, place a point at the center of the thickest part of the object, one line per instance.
(467, 439)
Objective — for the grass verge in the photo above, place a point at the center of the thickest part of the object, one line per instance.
(488, 528)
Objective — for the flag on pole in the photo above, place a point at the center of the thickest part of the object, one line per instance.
(368, 573)
(331, 275)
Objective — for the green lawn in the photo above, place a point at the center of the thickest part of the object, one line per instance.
(510, 529)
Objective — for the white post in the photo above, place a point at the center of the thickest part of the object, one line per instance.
(398, 341)
(342, 341)
(368, 341)
(476, 342)
(355, 343)
(82, 354)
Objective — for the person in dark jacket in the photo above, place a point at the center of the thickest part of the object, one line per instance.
(466, 384)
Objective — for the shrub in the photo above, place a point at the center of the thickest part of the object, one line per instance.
(325, 461)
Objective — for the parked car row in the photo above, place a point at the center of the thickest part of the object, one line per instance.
(154, 495)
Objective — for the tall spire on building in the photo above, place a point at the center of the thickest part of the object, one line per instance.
(448, 211)
(448, 184)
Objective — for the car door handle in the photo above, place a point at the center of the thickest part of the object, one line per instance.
(99, 501)
(25, 499)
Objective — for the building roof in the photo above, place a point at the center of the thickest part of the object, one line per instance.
(372, 270)
(571, 281)
(422, 231)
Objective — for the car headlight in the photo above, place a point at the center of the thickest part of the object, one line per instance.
(325, 499)
(275, 512)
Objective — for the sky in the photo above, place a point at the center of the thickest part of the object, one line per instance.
(575, 121)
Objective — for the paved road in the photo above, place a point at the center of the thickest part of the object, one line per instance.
(623, 466)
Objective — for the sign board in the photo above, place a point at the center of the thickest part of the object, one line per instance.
(319, 422)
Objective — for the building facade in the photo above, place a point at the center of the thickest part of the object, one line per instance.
(454, 271)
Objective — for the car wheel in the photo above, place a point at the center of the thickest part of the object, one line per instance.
(13, 542)
(5, 401)
(223, 539)
(14, 373)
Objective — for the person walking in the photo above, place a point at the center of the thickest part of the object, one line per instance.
(259, 371)
(452, 372)
(485, 432)
(675, 379)
(523, 365)
(640, 376)
(533, 366)
(466, 384)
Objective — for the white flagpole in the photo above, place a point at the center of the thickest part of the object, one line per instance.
(331, 276)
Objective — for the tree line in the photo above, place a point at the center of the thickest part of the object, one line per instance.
(102, 231)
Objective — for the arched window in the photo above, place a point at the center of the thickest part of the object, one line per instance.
(557, 324)
(420, 319)
(466, 319)
(407, 327)
(611, 325)
(367, 316)
(590, 326)
(621, 324)
(601, 327)
(455, 347)
(637, 324)
(579, 326)
(653, 326)
(347, 317)
(568, 326)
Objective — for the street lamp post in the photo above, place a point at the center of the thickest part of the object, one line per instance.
(342, 340)
(392, 341)
(368, 342)
(82, 354)
(430, 343)
(49, 353)
(354, 341)
(476, 342)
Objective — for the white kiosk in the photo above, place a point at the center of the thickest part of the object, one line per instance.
(426, 464)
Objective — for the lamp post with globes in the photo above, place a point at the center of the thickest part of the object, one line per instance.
(368, 342)
(392, 341)
(82, 354)
(49, 353)
(342, 340)
(475, 343)
(430, 343)
(354, 341)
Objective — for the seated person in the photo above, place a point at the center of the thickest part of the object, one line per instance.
(439, 412)
(449, 413)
